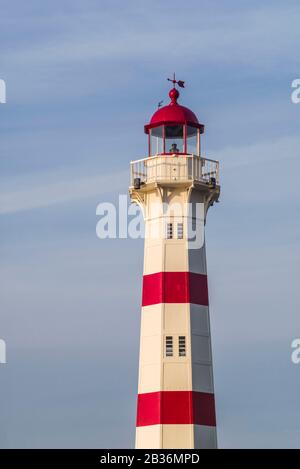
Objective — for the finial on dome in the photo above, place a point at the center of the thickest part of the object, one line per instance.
(174, 93)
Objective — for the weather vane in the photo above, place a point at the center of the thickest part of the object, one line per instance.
(180, 83)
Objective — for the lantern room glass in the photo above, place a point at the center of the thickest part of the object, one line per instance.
(173, 139)
(156, 141)
(192, 140)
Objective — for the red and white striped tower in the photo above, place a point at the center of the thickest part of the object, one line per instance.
(175, 186)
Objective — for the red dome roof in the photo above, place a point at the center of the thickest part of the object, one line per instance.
(174, 114)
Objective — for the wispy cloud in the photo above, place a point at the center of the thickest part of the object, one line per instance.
(273, 28)
(257, 154)
(266, 161)
(60, 192)
(255, 39)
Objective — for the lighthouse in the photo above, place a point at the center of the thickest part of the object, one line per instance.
(175, 185)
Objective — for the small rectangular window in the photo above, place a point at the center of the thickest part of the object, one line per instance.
(180, 230)
(169, 346)
(169, 230)
(182, 346)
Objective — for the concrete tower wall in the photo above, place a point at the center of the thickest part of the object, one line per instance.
(175, 392)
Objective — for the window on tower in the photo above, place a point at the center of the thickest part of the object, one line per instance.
(169, 346)
(182, 346)
(180, 230)
(169, 230)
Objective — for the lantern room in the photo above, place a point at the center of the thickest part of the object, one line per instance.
(174, 130)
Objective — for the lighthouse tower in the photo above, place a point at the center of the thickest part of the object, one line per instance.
(174, 186)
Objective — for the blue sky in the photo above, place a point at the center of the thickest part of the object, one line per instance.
(83, 77)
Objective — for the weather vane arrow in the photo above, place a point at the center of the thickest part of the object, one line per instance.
(180, 83)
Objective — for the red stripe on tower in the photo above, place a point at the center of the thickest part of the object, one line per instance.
(175, 287)
(176, 407)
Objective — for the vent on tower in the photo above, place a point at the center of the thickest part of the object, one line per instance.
(169, 346)
(182, 346)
